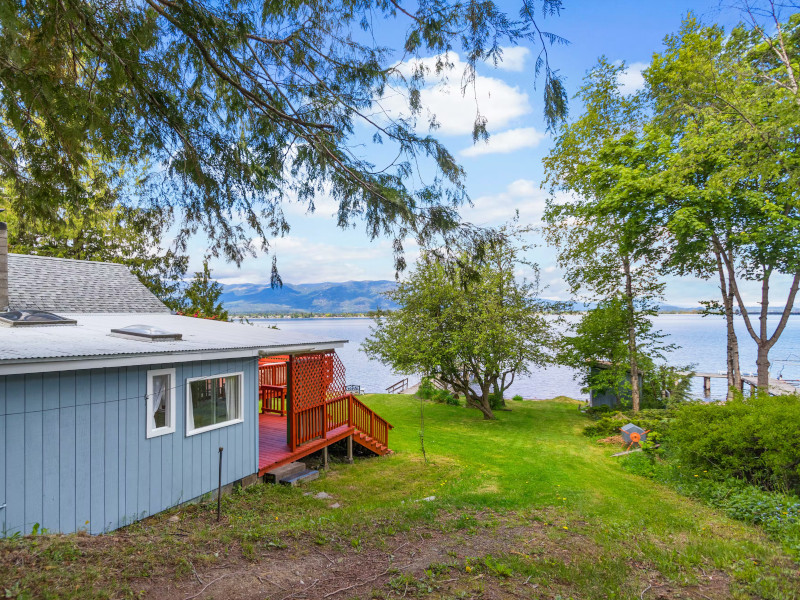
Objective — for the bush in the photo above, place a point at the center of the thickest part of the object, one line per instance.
(517, 398)
(426, 389)
(778, 514)
(445, 397)
(755, 439)
(654, 420)
(496, 400)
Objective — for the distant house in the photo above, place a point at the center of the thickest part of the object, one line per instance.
(113, 409)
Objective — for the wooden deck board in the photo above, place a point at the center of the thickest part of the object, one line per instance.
(273, 451)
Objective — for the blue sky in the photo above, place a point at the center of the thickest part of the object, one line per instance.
(504, 175)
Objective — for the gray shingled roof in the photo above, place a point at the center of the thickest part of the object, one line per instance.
(64, 285)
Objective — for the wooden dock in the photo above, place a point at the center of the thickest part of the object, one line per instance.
(777, 387)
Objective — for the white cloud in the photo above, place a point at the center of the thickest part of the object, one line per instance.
(523, 195)
(324, 206)
(300, 260)
(305, 260)
(506, 142)
(513, 59)
(631, 80)
(454, 109)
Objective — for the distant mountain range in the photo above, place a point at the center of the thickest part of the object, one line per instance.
(336, 298)
(327, 297)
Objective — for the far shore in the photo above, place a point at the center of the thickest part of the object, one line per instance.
(373, 315)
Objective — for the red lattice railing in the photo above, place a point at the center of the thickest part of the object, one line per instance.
(317, 382)
(319, 401)
(272, 370)
(272, 384)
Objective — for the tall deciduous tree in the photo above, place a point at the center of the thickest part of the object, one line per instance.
(607, 245)
(466, 320)
(729, 105)
(598, 348)
(236, 108)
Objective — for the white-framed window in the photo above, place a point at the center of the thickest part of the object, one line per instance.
(214, 402)
(160, 402)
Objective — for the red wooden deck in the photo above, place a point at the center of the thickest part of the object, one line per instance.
(273, 451)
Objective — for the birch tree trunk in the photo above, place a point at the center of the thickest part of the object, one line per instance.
(732, 349)
(764, 341)
(632, 350)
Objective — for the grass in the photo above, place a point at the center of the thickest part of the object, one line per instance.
(524, 506)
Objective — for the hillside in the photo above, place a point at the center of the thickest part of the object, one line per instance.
(338, 297)
(327, 297)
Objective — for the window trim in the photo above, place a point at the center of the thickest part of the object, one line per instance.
(190, 410)
(150, 430)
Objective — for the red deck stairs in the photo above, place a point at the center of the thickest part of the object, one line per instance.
(319, 412)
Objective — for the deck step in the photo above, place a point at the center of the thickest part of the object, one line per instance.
(284, 472)
(370, 443)
(301, 477)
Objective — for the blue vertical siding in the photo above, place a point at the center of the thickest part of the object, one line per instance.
(51, 430)
(15, 470)
(74, 454)
(2, 465)
(66, 468)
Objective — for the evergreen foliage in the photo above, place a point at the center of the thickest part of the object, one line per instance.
(201, 296)
(229, 110)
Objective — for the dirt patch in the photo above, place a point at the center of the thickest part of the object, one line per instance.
(478, 556)
(614, 439)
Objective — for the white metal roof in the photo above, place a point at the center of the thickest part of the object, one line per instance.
(89, 343)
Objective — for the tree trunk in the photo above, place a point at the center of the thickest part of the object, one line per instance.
(482, 402)
(632, 350)
(762, 358)
(763, 342)
(474, 400)
(732, 351)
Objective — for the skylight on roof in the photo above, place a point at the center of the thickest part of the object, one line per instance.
(146, 333)
(33, 318)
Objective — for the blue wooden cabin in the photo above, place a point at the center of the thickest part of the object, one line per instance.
(113, 409)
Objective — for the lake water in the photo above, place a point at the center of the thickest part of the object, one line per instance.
(701, 342)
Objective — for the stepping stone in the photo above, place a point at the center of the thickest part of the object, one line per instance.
(301, 477)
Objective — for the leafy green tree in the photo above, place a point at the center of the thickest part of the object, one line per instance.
(607, 245)
(466, 321)
(598, 348)
(727, 106)
(201, 296)
(231, 109)
(600, 338)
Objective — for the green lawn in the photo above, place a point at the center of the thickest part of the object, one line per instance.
(525, 506)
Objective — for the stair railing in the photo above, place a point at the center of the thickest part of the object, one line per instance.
(317, 422)
(398, 387)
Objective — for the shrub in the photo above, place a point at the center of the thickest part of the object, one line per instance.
(426, 389)
(778, 514)
(755, 439)
(496, 400)
(517, 398)
(653, 420)
(445, 397)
